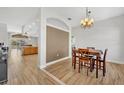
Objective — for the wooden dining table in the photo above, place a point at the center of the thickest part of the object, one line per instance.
(93, 52)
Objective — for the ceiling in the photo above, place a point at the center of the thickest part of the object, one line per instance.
(77, 13)
(17, 15)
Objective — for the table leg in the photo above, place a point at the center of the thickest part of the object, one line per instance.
(97, 68)
(74, 62)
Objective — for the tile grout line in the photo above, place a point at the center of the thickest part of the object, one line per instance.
(52, 76)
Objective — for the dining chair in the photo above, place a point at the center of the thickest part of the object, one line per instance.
(102, 62)
(91, 48)
(74, 57)
(84, 58)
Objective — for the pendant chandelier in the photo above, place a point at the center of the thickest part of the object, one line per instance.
(88, 21)
(21, 35)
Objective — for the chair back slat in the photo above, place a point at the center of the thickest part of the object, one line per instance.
(83, 52)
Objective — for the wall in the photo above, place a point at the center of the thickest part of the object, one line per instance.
(104, 34)
(32, 28)
(14, 28)
(44, 15)
(33, 41)
(58, 23)
(3, 33)
(57, 44)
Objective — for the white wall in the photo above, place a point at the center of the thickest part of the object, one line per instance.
(42, 40)
(32, 28)
(45, 14)
(14, 28)
(105, 34)
(57, 23)
(3, 33)
(32, 40)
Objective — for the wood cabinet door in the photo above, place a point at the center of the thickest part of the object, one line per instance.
(27, 50)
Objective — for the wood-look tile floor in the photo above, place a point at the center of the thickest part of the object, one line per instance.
(65, 72)
(24, 71)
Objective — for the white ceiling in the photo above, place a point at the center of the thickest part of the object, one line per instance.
(77, 13)
(17, 15)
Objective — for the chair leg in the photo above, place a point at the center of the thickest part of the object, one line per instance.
(72, 62)
(91, 65)
(79, 67)
(104, 69)
(87, 71)
(99, 65)
(103, 72)
(105, 66)
(93, 62)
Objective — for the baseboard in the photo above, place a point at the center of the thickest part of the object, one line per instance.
(43, 66)
(115, 61)
(59, 60)
(53, 62)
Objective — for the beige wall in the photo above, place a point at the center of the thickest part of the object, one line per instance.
(57, 44)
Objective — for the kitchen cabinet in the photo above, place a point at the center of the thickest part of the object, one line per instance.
(30, 50)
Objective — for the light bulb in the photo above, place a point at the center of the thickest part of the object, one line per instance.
(86, 19)
(82, 21)
(89, 23)
(92, 20)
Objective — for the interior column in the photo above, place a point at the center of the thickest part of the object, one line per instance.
(42, 40)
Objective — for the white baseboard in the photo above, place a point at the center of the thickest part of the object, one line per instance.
(116, 61)
(53, 62)
(59, 60)
(43, 66)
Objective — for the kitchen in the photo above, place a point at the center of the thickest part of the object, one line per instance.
(19, 29)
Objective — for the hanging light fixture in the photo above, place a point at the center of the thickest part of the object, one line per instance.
(88, 21)
(21, 35)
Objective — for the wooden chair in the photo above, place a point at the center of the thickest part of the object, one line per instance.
(74, 57)
(84, 58)
(91, 48)
(102, 62)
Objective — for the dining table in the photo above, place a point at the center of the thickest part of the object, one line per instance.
(93, 52)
